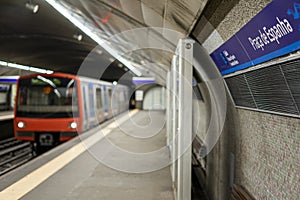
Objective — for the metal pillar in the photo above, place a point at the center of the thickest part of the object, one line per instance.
(179, 121)
(174, 122)
(168, 110)
(185, 50)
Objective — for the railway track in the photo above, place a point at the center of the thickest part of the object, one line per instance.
(14, 153)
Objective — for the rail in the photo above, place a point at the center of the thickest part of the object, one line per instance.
(14, 153)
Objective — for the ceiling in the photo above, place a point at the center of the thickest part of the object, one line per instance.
(47, 40)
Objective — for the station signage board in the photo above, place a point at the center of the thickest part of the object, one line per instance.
(143, 80)
(273, 32)
(139, 95)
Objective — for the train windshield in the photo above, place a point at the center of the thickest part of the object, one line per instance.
(47, 97)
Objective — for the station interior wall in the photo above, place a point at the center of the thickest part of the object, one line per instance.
(262, 148)
(155, 99)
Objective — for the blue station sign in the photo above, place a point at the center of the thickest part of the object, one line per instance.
(273, 32)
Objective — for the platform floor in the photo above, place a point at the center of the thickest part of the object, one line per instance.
(129, 162)
(6, 115)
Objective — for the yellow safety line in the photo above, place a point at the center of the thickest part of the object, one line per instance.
(32, 180)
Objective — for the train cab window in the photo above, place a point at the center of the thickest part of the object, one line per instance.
(47, 97)
(99, 98)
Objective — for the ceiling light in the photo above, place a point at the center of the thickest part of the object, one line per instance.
(24, 67)
(99, 51)
(32, 7)
(78, 37)
(115, 83)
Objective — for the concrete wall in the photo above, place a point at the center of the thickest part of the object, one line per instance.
(154, 99)
(266, 147)
(268, 155)
(266, 150)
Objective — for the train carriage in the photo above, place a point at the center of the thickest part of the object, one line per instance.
(52, 108)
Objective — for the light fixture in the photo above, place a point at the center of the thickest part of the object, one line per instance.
(32, 7)
(73, 125)
(99, 51)
(21, 124)
(24, 67)
(115, 83)
(78, 37)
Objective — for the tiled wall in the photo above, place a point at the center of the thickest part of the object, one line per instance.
(241, 13)
(268, 155)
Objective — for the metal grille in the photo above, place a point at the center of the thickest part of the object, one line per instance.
(239, 89)
(274, 88)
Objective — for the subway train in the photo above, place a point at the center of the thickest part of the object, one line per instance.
(53, 108)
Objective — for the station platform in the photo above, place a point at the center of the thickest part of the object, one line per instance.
(6, 115)
(124, 158)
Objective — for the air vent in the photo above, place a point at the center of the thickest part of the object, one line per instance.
(274, 88)
(239, 89)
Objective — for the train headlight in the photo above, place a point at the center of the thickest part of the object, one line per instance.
(21, 125)
(73, 125)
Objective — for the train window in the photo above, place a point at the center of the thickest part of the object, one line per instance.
(109, 93)
(47, 97)
(4, 94)
(99, 98)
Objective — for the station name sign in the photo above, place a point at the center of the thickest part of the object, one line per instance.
(273, 32)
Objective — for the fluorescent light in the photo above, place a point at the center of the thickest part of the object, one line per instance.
(78, 37)
(32, 7)
(14, 65)
(143, 80)
(81, 25)
(24, 67)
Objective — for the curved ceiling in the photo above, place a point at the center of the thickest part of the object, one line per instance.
(46, 39)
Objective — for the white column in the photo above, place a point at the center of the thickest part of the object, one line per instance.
(168, 109)
(174, 128)
(185, 52)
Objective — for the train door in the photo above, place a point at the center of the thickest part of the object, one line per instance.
(109, 103)
(85, 107)
(105, 101)
(115, 101)
(91, 105)
(99, 104)
(121, 101)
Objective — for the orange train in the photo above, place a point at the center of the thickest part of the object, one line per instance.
(52, 108)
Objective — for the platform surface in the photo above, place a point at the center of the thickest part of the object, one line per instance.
(6, 115)
(130, 162)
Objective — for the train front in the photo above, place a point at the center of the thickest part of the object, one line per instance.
(47, 109)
